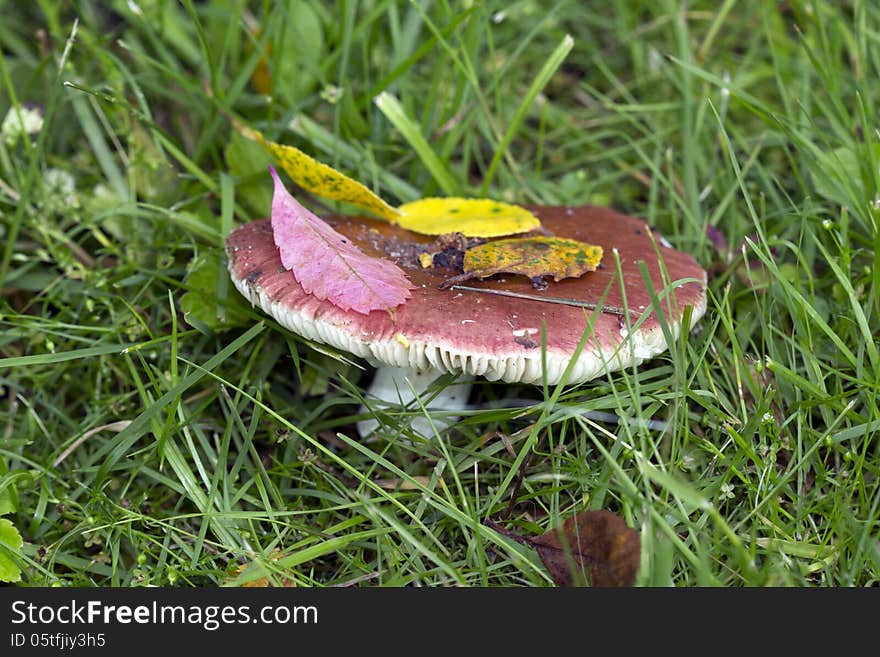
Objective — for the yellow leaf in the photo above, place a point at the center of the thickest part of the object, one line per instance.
(532, 257)
(321, 179)
(479, 217)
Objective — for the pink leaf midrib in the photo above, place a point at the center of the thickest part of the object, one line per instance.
(342, 253)
(362, 283)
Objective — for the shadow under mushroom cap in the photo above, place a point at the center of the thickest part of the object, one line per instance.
(496, 337)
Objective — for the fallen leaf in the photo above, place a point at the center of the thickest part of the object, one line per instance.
(534, 257)
(599, 540)
(472, 217)
(597, 543)
(328, 265)
(321, 179)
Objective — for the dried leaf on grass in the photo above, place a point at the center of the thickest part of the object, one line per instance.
(328, 265)
(594, 543)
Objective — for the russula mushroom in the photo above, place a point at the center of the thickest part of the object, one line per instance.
(484, 333)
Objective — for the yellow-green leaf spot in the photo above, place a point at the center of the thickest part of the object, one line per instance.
(322, 179)
(533, 257)
(473, 217)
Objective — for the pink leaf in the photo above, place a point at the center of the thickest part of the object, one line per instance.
(328, 265)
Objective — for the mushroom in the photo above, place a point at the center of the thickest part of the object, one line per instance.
(487, 329)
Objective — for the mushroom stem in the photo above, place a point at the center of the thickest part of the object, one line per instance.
(400, 385)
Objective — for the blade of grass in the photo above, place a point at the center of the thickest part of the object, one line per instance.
(541, 79)
(394, 112)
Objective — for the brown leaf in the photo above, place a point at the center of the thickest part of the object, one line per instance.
(594, 543)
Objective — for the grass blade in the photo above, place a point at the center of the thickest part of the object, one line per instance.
(394, 112)
(550, 67)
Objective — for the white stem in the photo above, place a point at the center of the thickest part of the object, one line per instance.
(400, 385)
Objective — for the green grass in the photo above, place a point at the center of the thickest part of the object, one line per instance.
(139, 448)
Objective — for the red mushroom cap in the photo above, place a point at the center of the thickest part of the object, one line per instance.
(497, 337)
